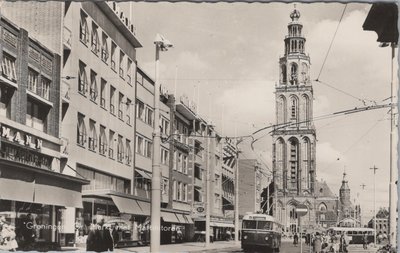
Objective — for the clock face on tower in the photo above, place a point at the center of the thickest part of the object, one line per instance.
(294, 137)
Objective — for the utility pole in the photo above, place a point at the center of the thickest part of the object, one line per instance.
(161, 44)
(374, 168)
(393, 176)
(208, 197)
(236, 188)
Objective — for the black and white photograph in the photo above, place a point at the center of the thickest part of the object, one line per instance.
(189, 126)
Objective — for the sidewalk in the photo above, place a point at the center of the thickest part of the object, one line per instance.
(221, 246)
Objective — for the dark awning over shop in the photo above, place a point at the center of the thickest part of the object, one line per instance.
(25, 183)
(189, 219)
(169, 217)
(126, 205)
(145, 206)
(144, 174)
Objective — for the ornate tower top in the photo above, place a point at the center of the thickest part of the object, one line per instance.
(295, 15)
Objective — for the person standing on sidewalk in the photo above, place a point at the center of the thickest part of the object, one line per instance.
(365, 240)
(295, 239)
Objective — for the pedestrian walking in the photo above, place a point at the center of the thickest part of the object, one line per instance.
(295, 239)
(343, 243)
(335, 243)
(99, 238)
(317, 243)
(365, 240)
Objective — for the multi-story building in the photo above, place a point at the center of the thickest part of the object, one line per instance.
(97, 45)
(32, 183)
(250, 186)
(228, 177)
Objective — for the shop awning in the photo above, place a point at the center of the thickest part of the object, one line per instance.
(181, 218)
(126, 205)
(221, 224)
(143, 174)
(19, 190)
(169, 217)
(145, 206)
(189, 219)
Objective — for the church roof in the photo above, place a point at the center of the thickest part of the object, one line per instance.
(322, 189)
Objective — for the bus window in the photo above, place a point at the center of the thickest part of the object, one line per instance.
(249, 224)
(265, 225)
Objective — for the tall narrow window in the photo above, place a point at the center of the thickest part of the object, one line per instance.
(33, 78)
(120, 106)
(174, 190)
(93, 86)
(120, 149)
(139, 109)
(294, 108)
(293, 73)
(112, 98)
(280, 161)
(129, 72)
(128, 152)
(81, 130)
(283, 73)
(304, 73)
(113, 56)
(102, 141)
(282, 110)
(8, 67)
(307, 110)
(92, 135)
(179, 196)
(128, 111)
(103, 93)
(45, 87)
(294, 163)
(139, 145)
(95, 39)
(111, 145)
(82, 79)
(121, 64)
(104, 48)
(149, 148)
(83, 29)
(306, 162)
(149, 116)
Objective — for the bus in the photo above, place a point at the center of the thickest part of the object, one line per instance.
(354, 235)
(260, 231)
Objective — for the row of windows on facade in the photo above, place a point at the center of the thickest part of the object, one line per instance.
(294, 109)
(293, 77)
(37, 83)
(179, 191)
(101, 48)
(124, 104)
(145, 183)
(98, 142)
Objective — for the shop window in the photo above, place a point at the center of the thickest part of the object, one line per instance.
(8, 67)
(128, 111)
(112, 98)
(81, 130)
(92, 135)
(33, 78)
(82, 79)
(83, 29)
(104, 48)
(128, 152)
(121, 64)
(95, 39)
(113, 60)
(139, 109)
(120, 106)
(111, 144)
(103, 93)
(102, 141)
(93, 86)
(120, 149)
(36, 115)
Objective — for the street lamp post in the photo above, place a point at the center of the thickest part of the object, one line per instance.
(161, 45)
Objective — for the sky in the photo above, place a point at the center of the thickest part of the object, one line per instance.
(225, 58)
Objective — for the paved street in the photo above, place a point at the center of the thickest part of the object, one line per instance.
(224, 246)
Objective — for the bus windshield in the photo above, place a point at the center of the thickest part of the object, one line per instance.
(249, 224)
(252, 224)
(265, 225)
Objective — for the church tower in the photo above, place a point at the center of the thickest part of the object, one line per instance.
(294, 135)
(344, 197)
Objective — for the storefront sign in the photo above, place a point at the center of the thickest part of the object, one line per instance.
(25, 156)
(121, 16)
(20, 138)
